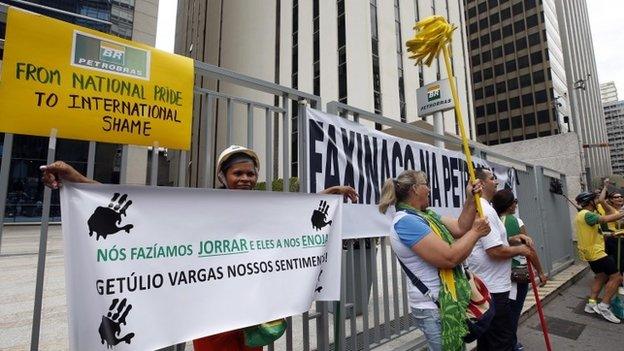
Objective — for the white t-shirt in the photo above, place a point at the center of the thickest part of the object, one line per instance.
(407, 229)
(496, 274)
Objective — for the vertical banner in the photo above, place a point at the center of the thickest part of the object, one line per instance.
(92, 86)
(151, 267)
(341, 152)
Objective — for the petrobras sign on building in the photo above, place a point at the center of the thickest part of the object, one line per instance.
(434, 97)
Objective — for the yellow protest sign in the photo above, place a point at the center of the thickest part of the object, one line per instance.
(92, 86)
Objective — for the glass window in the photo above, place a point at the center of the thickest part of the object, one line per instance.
(543, 117)
(525, 80)
(481, 129)
(529, 119)
(477, 77)
(490, 108)
(509, 48)
(534, 39)
(519, 26)
(489, 90)
(472, 12)
(502, 105)
(500, 87)
(480, 111)
(538, 76)
(486, 56)
(512, 84)
(473, 28)
(521, 43)
(474, 44)
(531, 21)
(478, 93)
(483, 23)
(482, 7)
(494, 18)
(511, 65)
(503, 125)
(505, 14)
(497, 52)
(499, 69)
(507, 31)
(496, 35)
(487, 73)
(517, 9)
(523, 61)
(514, 102)
(529, 4)
(531, 135)
(540, 96)
(516, 122)
(485, 39)
(536, 58)
(527, 99)
(492, 126)
(476, 60)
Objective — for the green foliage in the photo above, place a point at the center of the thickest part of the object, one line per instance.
(278, 185)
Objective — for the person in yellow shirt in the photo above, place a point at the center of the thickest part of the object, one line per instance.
(591, 248)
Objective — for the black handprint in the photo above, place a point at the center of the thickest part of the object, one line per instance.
(320, 215)
(104, 220)
(111, 324)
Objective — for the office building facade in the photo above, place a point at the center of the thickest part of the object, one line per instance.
(614, 116)
(130, 19)
(343, 50)
(608, 92)
(534, 74)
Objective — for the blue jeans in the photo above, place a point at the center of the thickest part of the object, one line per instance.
(516, 308)
(428, 321)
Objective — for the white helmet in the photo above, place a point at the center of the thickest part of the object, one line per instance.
(233, 150)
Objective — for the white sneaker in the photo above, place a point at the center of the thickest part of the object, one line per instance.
(606, 313)
(589, 307)
(621, 290)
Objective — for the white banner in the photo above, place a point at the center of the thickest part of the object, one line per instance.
(342, 152)
(150, 267)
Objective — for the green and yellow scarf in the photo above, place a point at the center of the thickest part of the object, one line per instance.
(454, 294)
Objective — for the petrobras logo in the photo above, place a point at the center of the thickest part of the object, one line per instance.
(112, 53)
(433, 92)
(104, 55)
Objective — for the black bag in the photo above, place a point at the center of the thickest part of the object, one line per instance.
(520, 275)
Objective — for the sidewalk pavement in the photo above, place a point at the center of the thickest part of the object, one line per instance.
(570, 328)
(551, 291)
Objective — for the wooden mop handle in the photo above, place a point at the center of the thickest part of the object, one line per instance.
(460, 123)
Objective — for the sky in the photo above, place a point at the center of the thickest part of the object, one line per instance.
(606, 18)
(165, 25)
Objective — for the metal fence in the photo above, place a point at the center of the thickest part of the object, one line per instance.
(373, 308)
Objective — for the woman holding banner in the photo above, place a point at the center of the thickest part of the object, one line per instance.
(505, 204)
(237, 169)
(432, 247)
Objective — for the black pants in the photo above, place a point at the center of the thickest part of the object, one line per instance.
(499, 336)
(611, 247)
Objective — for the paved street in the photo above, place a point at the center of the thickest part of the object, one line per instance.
(570, 327)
